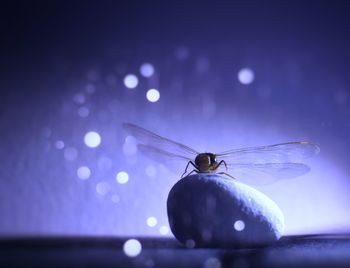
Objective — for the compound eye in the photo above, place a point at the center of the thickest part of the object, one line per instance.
(211, 159)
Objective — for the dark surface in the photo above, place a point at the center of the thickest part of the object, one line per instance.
(290, 251)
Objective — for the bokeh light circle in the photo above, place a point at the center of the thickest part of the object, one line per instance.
(59, 145)
(153, 95)
(190, 243)
(164, 230)
(239, 225)
(122, 177)
(131, 81)
(152, 221)
(246, 76)
(92, 139)
(132, 248)
(83, 111)
(151, 171)
(147, 70)
(83, 172)
(79, 98)
(102, 188)
(213, 262)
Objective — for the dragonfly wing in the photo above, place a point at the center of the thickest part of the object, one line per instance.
(261, 174)
(291, 152)
(172, 161)
(146, 137)
(160, 155)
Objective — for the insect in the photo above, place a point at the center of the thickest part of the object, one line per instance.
(260, 165)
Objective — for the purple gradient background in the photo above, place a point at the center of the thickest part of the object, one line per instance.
(298, 51)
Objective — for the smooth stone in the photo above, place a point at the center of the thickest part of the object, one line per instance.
(209, 210)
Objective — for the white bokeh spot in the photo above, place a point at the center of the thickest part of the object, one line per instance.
(92, 139)
(246, 76)
(132, 248)
(153, 95)
(164, 230)
(152, 221)
(122, 177)
(131, 81)
(239, 225)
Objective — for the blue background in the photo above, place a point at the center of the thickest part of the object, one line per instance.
(53, 54)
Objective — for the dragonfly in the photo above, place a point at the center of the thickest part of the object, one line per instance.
(257, 165)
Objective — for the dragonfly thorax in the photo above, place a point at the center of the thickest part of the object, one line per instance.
(205, 162)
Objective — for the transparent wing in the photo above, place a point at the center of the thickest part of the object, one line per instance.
(158, 145)
(173, 162)
(160, 155)
(291, 152)
(261, 174)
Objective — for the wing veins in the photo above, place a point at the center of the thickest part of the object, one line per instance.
(148, 148)
(146, 137)
(277, 153)
(260, 174)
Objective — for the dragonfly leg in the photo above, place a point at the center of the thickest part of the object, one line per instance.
(224, 173)
(192, 172)
(189, 162)
(222, 162)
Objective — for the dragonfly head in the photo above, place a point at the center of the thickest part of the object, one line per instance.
(205, 161)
